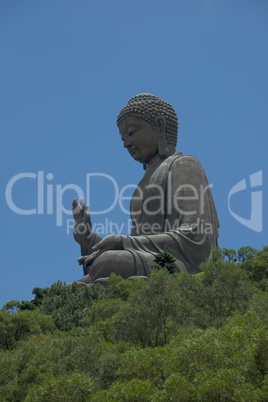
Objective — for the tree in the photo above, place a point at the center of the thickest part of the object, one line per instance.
(127, 391)
(256, 267)
(177, 337)
(165, 260)
(21, 325)
(72, 387)
(225, 289)
(246, 252)
(147, 316)
(11, 306)
(118, 288)
(66, 303)
(229, 254)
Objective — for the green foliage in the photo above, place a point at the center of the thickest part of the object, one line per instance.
(39, 295)
(75, 386)
(245, 253)
(66, 304)
(261, 354)
(229, 254)
(225, 289)
(258, 304)
(147, 318)
(241, 255)
(256, 267)
(118, 288)
(19, 326)
(200, 365)
(166, 261)
(11, 306)
(177, 337)
(127, 391)
(146, 364)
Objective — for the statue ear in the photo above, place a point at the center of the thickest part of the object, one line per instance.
(160, 124)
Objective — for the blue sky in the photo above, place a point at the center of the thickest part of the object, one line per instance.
(68, 67)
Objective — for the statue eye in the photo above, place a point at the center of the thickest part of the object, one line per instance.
(131, 132)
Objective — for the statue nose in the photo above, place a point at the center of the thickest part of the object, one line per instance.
(127, 143)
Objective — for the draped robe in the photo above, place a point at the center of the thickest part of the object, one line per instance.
(172, 209)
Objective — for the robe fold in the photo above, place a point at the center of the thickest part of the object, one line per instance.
(172, 209)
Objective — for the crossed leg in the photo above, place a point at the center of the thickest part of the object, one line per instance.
(121, 262)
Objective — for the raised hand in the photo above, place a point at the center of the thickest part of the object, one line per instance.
(83, 226)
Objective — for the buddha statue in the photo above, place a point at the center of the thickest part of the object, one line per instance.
(172, 208)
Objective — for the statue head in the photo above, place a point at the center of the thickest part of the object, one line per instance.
(157, 113)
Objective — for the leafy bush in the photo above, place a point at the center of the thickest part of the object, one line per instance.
(176, 337)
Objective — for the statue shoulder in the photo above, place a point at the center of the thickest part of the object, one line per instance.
(179, 160)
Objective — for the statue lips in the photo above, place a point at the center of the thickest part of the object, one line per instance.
(132, 151)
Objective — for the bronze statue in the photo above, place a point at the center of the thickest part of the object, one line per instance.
(172, 208)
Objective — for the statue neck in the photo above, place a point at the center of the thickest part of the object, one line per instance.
(157, 160)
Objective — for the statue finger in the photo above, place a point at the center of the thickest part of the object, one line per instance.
(82, 203)
(91, 257)
(86, 214)
(74, 203)
(82, 259)
(76, 210)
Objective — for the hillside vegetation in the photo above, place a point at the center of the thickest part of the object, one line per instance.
(173, 337)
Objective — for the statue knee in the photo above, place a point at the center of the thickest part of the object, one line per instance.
(120, 262)
(105, 258)
(105, 263)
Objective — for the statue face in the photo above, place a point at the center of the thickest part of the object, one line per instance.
(140, 139)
